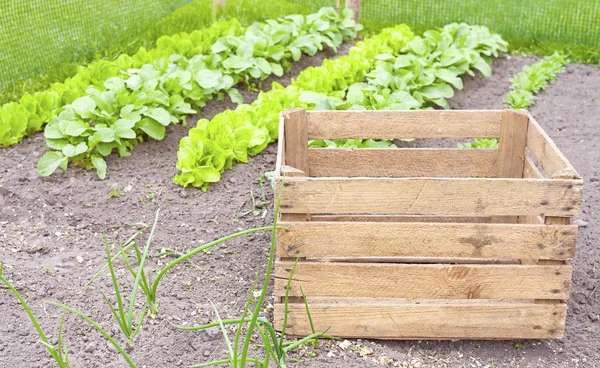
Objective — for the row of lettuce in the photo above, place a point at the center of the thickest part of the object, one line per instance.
(140, 102)
(394, 70)
(524, 86)
(114, 105)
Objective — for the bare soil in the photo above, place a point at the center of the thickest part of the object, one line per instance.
(51, 232)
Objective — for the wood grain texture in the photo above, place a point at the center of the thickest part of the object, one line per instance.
(511, 151)
(547, 154)
(401, 218)
(403, 162)
(427, 281)
(296, 139)
(450, 321)
(288, 171)
(498, 241)
(280, 146)
(432, 196)
(404, 124)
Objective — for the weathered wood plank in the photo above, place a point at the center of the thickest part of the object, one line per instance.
(280, 146)
(401, 218)
(547, 154)
(453, 321)
(403, 162)
(404, 124)
(296, 139)
(430, 281)
(435, 196)
(500, 241)
(511, 151)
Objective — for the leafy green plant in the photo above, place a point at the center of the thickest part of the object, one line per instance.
(60, 352)
(216, 145)
(393, 70)
(140, 103)
(524, 85)
(532, 79)
(33, 111)
(480, 143)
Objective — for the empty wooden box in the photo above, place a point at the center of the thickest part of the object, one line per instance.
(424, 243)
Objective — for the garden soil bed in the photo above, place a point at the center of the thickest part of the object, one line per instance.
(51, 240)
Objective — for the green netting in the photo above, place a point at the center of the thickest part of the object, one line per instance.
(37, 35)
(575, 22)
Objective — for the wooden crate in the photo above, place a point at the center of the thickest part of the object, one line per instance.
(425, 243)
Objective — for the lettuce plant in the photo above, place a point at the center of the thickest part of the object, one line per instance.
(532, 79)
(140, 103)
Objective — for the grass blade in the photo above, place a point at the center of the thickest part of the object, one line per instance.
(312, 326)
(120, 310)
(51, 349)
(225, 336)
(140, 271)
(129, 243)
(266, 281)
(98, 328)
(198, 250)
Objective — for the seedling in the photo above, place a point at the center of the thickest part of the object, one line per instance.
(145, 281)
(275, 348)
(115, 192)
(60, 352)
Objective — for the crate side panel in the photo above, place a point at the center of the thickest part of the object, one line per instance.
(428, 281)
(402, 162)
(404, 124)
(432, 196)
(356, 239)
(435, 321)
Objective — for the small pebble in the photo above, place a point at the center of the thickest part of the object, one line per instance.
(580, 223)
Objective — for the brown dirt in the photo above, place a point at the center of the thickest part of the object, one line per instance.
(45, 224)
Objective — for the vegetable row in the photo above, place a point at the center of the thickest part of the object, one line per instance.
(141, 102)
(393, 70)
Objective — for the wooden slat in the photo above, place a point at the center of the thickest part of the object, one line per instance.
(511, 151)
(452, 321)
(404, 124)
(280, 146)
(401, 218)
(430, 281)
(296, 139)
(461, 196)
(403, 162)
(500, 241)
(530, 170)
(547, 154)
(420, 260)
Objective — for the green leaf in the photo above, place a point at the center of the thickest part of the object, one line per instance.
(74, 128)
(159, 114)
(105, 135)
(152, 128)
(84, 107)
(100, 166)
(50, 161)
(122, 128)
(235, 96)
(52, 131)
(70, 150)
(207, 78)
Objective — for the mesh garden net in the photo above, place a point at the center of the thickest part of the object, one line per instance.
(41, 34)
(575, 22)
